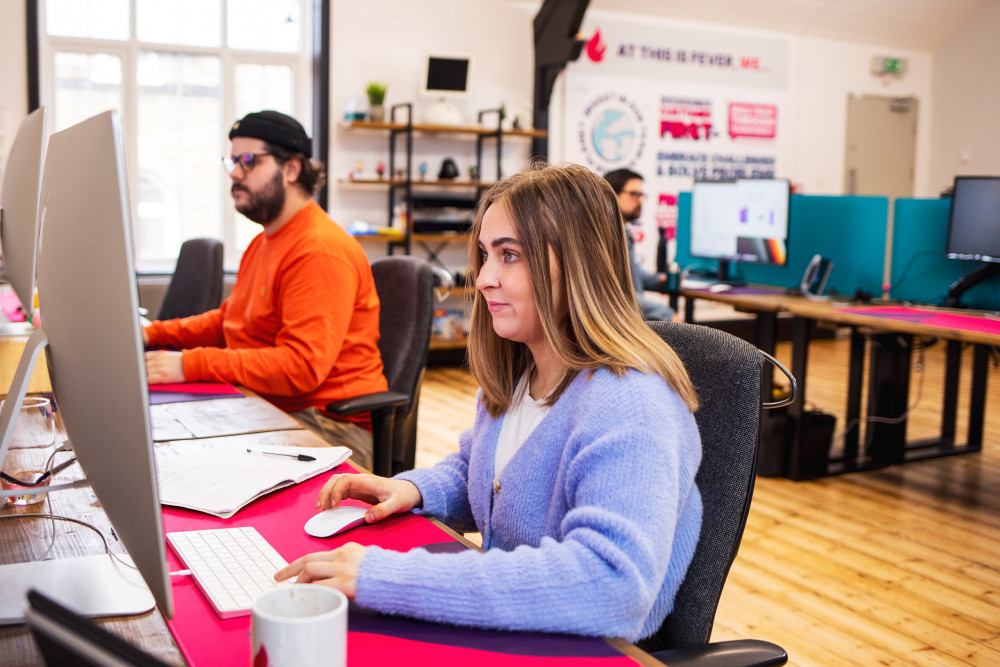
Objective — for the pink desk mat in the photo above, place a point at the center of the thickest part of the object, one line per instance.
(11, 307)
(179, 392)
(373, 639)
(934, 318)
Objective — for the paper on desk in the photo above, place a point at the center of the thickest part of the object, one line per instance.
(218, 476)
(217, 417)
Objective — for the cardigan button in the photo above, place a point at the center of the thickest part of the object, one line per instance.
(496, 485)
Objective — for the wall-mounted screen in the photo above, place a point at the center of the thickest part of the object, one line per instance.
(446, 75)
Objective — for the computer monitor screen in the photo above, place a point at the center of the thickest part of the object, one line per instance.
(22, 178)
(974, 222)
(745, 220)
(446, 75)
(89, 311)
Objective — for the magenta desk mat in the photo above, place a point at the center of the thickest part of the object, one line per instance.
(933, 318)
(373, 639)
(180, 392)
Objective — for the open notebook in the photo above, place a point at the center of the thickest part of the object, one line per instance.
(219, 476)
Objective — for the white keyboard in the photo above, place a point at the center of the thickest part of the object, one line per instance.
(230, 565)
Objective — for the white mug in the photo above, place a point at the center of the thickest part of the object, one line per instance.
(302, 625)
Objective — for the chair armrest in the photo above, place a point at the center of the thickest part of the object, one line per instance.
(366, 403)
(738, 653)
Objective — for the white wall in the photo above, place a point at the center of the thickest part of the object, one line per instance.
(966, 120)
(823, 74)
(388, 39)
(13, 73)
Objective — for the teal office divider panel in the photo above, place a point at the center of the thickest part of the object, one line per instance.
(920, 271)
(850, 231)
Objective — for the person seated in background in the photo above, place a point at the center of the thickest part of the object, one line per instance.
(627, 185)
(579, 470)
(301, 327)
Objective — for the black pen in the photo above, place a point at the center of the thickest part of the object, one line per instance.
(300, 457)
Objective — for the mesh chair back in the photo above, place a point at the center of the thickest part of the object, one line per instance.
(196, 286)
(726, 372)
(405, 286)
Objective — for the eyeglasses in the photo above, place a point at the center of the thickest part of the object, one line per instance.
(635, 194)
(247, 161)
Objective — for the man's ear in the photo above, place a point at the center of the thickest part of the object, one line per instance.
(292, 169)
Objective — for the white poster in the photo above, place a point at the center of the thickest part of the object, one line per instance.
(675, 105)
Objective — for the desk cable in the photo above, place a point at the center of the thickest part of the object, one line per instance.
(918, 366)
(53, 517)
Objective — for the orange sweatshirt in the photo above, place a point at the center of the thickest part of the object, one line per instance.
(301, 326)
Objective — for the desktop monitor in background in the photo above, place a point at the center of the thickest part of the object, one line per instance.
(89, 310)
(445, 77)
(974, 230)
(745, 220)
(22, 177)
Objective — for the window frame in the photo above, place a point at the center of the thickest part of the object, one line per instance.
(310, 86)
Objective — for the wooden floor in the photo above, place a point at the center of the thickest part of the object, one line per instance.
(899, 566)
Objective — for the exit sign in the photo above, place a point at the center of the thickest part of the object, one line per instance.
(883, 65)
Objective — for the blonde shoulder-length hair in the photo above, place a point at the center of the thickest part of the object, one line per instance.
(574, 212)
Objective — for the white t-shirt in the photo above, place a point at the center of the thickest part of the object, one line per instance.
(521, 418)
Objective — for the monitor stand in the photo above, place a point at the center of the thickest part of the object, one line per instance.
(92, 586)
(89, 585)
(723, 275)
(964, 284)
(442, 112)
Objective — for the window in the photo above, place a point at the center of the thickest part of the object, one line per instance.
(179, 73)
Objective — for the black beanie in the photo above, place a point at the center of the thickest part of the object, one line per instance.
(274, 128)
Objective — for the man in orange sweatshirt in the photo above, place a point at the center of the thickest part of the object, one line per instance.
(301, 327)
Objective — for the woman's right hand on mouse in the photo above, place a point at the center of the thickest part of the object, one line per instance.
(387, 496)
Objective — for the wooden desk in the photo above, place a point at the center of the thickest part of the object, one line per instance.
(149, 630)
(24, 540)
(888, 374)
(890, 353)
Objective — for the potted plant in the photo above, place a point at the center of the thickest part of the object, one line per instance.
(376, 98)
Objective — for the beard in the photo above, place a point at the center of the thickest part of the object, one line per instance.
(265, 205)
(632, 215)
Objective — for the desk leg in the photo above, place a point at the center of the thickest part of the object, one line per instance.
(888, 395)
(765, 336)
(854, 382)
(689, 309)
(673, 298)
(977, 396)
(801, 327)
(949, 404)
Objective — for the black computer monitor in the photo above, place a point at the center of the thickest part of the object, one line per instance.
(974, 230)
(446, 75)
(90, 328)
(22, 179)
(743, 220)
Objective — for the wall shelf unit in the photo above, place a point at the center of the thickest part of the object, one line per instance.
(403, 187)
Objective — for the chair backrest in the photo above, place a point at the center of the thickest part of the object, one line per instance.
(196, 286)
(726, 372)
(405, 286)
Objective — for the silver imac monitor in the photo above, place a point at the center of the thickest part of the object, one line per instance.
(90, 329)
(22, 177)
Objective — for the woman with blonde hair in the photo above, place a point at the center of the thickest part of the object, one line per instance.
(579, 469)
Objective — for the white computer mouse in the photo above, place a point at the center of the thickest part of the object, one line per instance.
(720, 287)
(336, 520)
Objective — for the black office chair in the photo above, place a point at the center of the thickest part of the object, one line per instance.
(405, 287)
(196, 285)
(726, 372)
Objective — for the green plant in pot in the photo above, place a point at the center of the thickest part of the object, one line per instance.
(376, 99)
